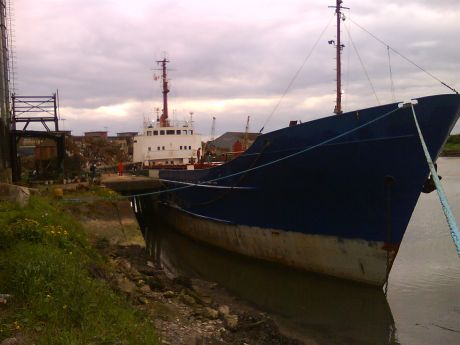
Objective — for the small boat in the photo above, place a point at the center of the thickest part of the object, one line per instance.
(332, 195)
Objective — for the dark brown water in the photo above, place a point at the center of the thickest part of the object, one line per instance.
(424, 285)
(423, 301)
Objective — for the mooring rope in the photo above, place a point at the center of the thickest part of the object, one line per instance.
(454, 232)
(276, 161)
(204, 183)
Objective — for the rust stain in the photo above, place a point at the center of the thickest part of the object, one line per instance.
(391, 247)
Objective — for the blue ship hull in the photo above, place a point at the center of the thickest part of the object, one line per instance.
(348, 182)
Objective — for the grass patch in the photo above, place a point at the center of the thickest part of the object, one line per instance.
(44, 257)
(452, 144)
(95, 192)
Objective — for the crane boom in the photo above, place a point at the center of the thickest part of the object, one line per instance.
(246, 135)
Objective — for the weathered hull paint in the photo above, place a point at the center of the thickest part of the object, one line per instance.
(333, 195)
(352, 259)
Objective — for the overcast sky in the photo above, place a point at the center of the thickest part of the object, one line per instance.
(229, 59)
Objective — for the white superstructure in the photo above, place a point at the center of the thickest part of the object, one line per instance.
(166, 142)
(170, 143)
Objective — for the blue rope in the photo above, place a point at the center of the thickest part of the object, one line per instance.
(454, 232)
(266, 164)
(251, 169)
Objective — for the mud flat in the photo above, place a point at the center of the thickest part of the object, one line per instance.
(184, 310)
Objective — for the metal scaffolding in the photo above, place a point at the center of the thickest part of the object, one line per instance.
(28, 109)
(41, 110)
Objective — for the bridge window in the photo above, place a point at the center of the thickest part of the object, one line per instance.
(170, 132)
(149, 133)
(162, 132)
(158, 148)
(162, 147)
(178, 132)
(155, 132)
(150, 149)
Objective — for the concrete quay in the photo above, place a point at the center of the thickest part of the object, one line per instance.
(130, 184)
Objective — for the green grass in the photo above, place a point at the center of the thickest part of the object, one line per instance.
(452, 144)
(44, 260)
(100, 192)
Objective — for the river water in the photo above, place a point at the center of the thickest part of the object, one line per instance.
(424, 285)
(422, 305)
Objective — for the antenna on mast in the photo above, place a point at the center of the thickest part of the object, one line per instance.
(191, 119)
(164, 77)
(338, 49)
(157, 110)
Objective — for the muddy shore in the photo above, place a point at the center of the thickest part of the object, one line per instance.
(185, 311)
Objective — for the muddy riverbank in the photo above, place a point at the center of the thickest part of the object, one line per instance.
(184, 310)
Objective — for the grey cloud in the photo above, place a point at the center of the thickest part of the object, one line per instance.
(98, 55)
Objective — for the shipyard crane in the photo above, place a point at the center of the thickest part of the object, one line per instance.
(213, 129)
(246, 135)
(209, 146)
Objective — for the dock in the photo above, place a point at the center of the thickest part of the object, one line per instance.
(130, 184)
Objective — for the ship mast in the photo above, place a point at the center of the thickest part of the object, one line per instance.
(338, 51)
(164, 115)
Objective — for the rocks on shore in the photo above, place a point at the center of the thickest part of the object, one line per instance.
(14, 193)
(183, 313)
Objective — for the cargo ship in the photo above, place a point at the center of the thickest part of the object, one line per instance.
(332, 195)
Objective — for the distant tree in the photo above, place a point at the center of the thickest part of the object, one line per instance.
(103, 152)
